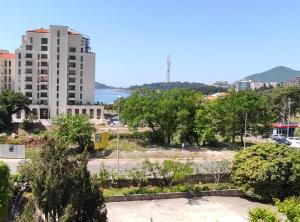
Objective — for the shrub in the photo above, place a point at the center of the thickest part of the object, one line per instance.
(137, 176)
(291, 208)
(267, 171)
(36, 131)
(103, 175)
(27, 124)
(263, 215)
(5, 189)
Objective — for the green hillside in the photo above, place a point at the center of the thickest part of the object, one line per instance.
(278, 74)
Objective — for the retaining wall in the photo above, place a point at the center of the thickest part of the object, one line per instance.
(159, 196)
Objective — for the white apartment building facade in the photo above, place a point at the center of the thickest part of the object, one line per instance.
(55, 69)
(7, 70)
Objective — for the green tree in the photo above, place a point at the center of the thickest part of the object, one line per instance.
(278, 100)
(205, 126)
(10, 103)
(5, 190)
(267, 171)
(164, 112)
(75, 129)
(231, 111)
(62, 186)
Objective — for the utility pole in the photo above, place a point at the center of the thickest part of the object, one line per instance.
(289, 116)
(168, 73)
(118, 136)
(245, 133)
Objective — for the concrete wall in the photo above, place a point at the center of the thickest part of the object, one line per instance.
(8, 151)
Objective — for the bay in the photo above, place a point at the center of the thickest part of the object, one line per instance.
(108, 96)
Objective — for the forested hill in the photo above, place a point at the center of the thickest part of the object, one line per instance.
(205, 89)
(278, 74)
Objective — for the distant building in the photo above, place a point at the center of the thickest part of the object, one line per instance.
(273, 84)
(293, 82)
(243, 85)
(223, 84)
(256, 85)
(7, 70)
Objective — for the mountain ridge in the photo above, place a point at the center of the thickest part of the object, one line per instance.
(277, 74)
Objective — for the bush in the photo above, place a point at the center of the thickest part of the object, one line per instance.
(263, 215)
(36, 131)
(5, 190)
(267, 171)
(291, 208)
(27, 125)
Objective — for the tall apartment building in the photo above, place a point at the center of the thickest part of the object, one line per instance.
(242, 85)
(7, 70)
(55, 69)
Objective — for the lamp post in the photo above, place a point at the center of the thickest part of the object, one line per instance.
(118, 136)
(289, 116)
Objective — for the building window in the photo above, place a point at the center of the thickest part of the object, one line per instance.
(91, 114)
(28, 86)
(57, 111)
(72, 72)
(81, 81)
(81, 66)
(57, 95)
(57, 65)
(98, 113)
(80, 95)
(57, 49)
(58, 33)
(44, 87)
(57, 103)
(44, 41)
(19, 71)
(57, 80)
(72, 57)
(9, 63)
(57, 72)
(81, 50)
(28, 94)
(58, 41)
(69, 111)
(44, 63)
(28, 55)
(57, 88)
(72, 64)
(28, 47)
(28, 63)
(81, 73)
(19, 55)
(44, 48)
(80, 88)
(44, 56)
(28, 71)
(72, 49)
(76, 111)
(84, 111)
(31, 40)
(19, 63)
(81, 58)
(57, 57)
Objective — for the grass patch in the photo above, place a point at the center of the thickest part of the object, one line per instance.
(125, 145)
(154, 189)
(31, 153)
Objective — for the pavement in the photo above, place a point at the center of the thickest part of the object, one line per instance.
(207, 209)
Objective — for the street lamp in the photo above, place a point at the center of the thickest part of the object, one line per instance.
(118, 136)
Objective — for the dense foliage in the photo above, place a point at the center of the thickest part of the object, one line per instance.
(10, 103)
(263, 215)
(187, 114)
(164, 112)
(62, 186)
(4, 190)
(75, 129)
(267, 171)
(278, 99)
(290, 208)
(201, 87)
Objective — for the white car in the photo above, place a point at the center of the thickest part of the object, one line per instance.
(294, 141)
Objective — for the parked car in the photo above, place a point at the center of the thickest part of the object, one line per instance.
(278, 136)
(283, 140)
(293, 139)
(295, 144)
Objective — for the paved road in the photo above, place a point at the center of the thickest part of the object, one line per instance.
(208, 209)
(110, 164)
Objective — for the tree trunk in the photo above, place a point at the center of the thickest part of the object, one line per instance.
(242, 139)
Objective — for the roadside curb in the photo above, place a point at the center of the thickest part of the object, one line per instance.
(159, 196)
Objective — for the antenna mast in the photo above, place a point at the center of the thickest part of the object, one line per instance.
(168, 68)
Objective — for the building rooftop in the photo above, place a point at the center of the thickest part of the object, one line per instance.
(42, 30)
(7, 55)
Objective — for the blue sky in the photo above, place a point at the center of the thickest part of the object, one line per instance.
(208, 40)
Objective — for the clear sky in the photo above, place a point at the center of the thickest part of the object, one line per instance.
(208, 40)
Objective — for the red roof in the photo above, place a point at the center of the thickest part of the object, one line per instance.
(284, 125)
(7, 55)
(41, 30)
